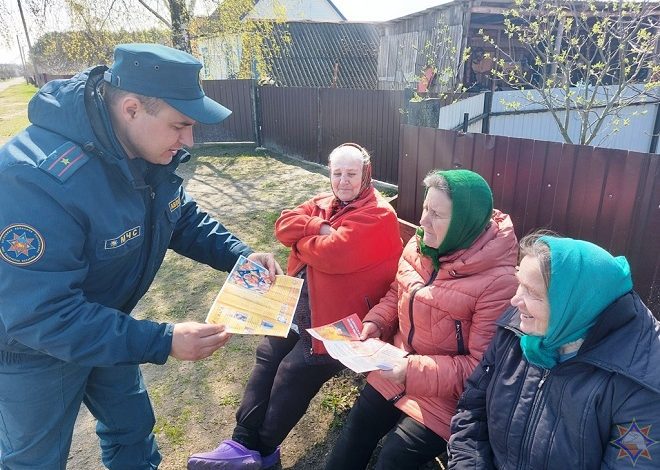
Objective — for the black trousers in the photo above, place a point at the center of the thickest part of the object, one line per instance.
(278, 392)
(408, 444)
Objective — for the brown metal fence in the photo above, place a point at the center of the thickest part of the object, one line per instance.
(289, 121)
(310, 122)
(239, 96)
(43, 78)
(610, 197)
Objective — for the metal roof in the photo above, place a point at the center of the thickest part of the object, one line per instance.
(326, 54)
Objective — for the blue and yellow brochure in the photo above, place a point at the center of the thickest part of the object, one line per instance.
(249, 304)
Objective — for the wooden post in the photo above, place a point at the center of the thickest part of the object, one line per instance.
(488, 107)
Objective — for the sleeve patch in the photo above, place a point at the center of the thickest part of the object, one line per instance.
(21, 245)
(634, 442)
(64, 161)
(175, 203)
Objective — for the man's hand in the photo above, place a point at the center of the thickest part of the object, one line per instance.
(192, 341)
(370, 330)
(398, 372)
(267, 260)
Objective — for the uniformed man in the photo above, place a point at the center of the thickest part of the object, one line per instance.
(90, 204)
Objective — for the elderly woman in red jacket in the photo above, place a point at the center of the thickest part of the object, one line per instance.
(454, 280)
(346, 246)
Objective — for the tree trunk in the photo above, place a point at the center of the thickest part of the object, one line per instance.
(180, 23)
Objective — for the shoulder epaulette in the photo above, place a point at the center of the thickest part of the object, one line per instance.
(64, 161)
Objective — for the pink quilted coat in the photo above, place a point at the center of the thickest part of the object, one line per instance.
(424, 311)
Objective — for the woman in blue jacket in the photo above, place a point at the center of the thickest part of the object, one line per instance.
(572, 373)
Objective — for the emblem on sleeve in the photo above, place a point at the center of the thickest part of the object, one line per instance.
(21, 245)
(175, 204)
(634, 442)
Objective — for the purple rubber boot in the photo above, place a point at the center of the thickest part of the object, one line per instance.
(268, 461)
(230, 455)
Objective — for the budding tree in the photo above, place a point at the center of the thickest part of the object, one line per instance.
(584, 59)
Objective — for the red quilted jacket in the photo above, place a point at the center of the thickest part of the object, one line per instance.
(421, 315)
(350, 270)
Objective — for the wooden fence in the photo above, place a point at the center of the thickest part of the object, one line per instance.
(610, 197)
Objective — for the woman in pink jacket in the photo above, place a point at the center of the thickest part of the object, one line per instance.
(346, 245)
(454, 280)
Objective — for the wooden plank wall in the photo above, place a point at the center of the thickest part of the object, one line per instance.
(610, 197)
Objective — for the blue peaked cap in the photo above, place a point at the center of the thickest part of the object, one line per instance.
(169, 74)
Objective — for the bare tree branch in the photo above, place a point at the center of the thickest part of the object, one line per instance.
(155, 13)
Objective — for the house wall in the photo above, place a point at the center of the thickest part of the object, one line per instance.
(220, 57)
(313, 10)
(403, 52)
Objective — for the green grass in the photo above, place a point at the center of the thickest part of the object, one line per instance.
(230, 400)
(174, 430)
(338, 397)
(13, 109)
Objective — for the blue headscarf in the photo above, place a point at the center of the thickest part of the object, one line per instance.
(584, 279)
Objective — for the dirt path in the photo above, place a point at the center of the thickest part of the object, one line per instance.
(11, 82)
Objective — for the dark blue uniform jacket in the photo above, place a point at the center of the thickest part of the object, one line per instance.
(597, 410)
(83, 231)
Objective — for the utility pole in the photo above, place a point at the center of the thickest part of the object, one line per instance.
(27, 36)
(20, 50)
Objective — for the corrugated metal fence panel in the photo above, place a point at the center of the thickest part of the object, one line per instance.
(237, 95)
(370, 118)
(452, 115)
(290, 120)
(309, 122)
(633, 131)
(43, 78)
(636, 136)
(610, 197)
(538, 126)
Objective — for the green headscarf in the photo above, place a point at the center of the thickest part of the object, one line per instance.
(472, 208)
(584, 279)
